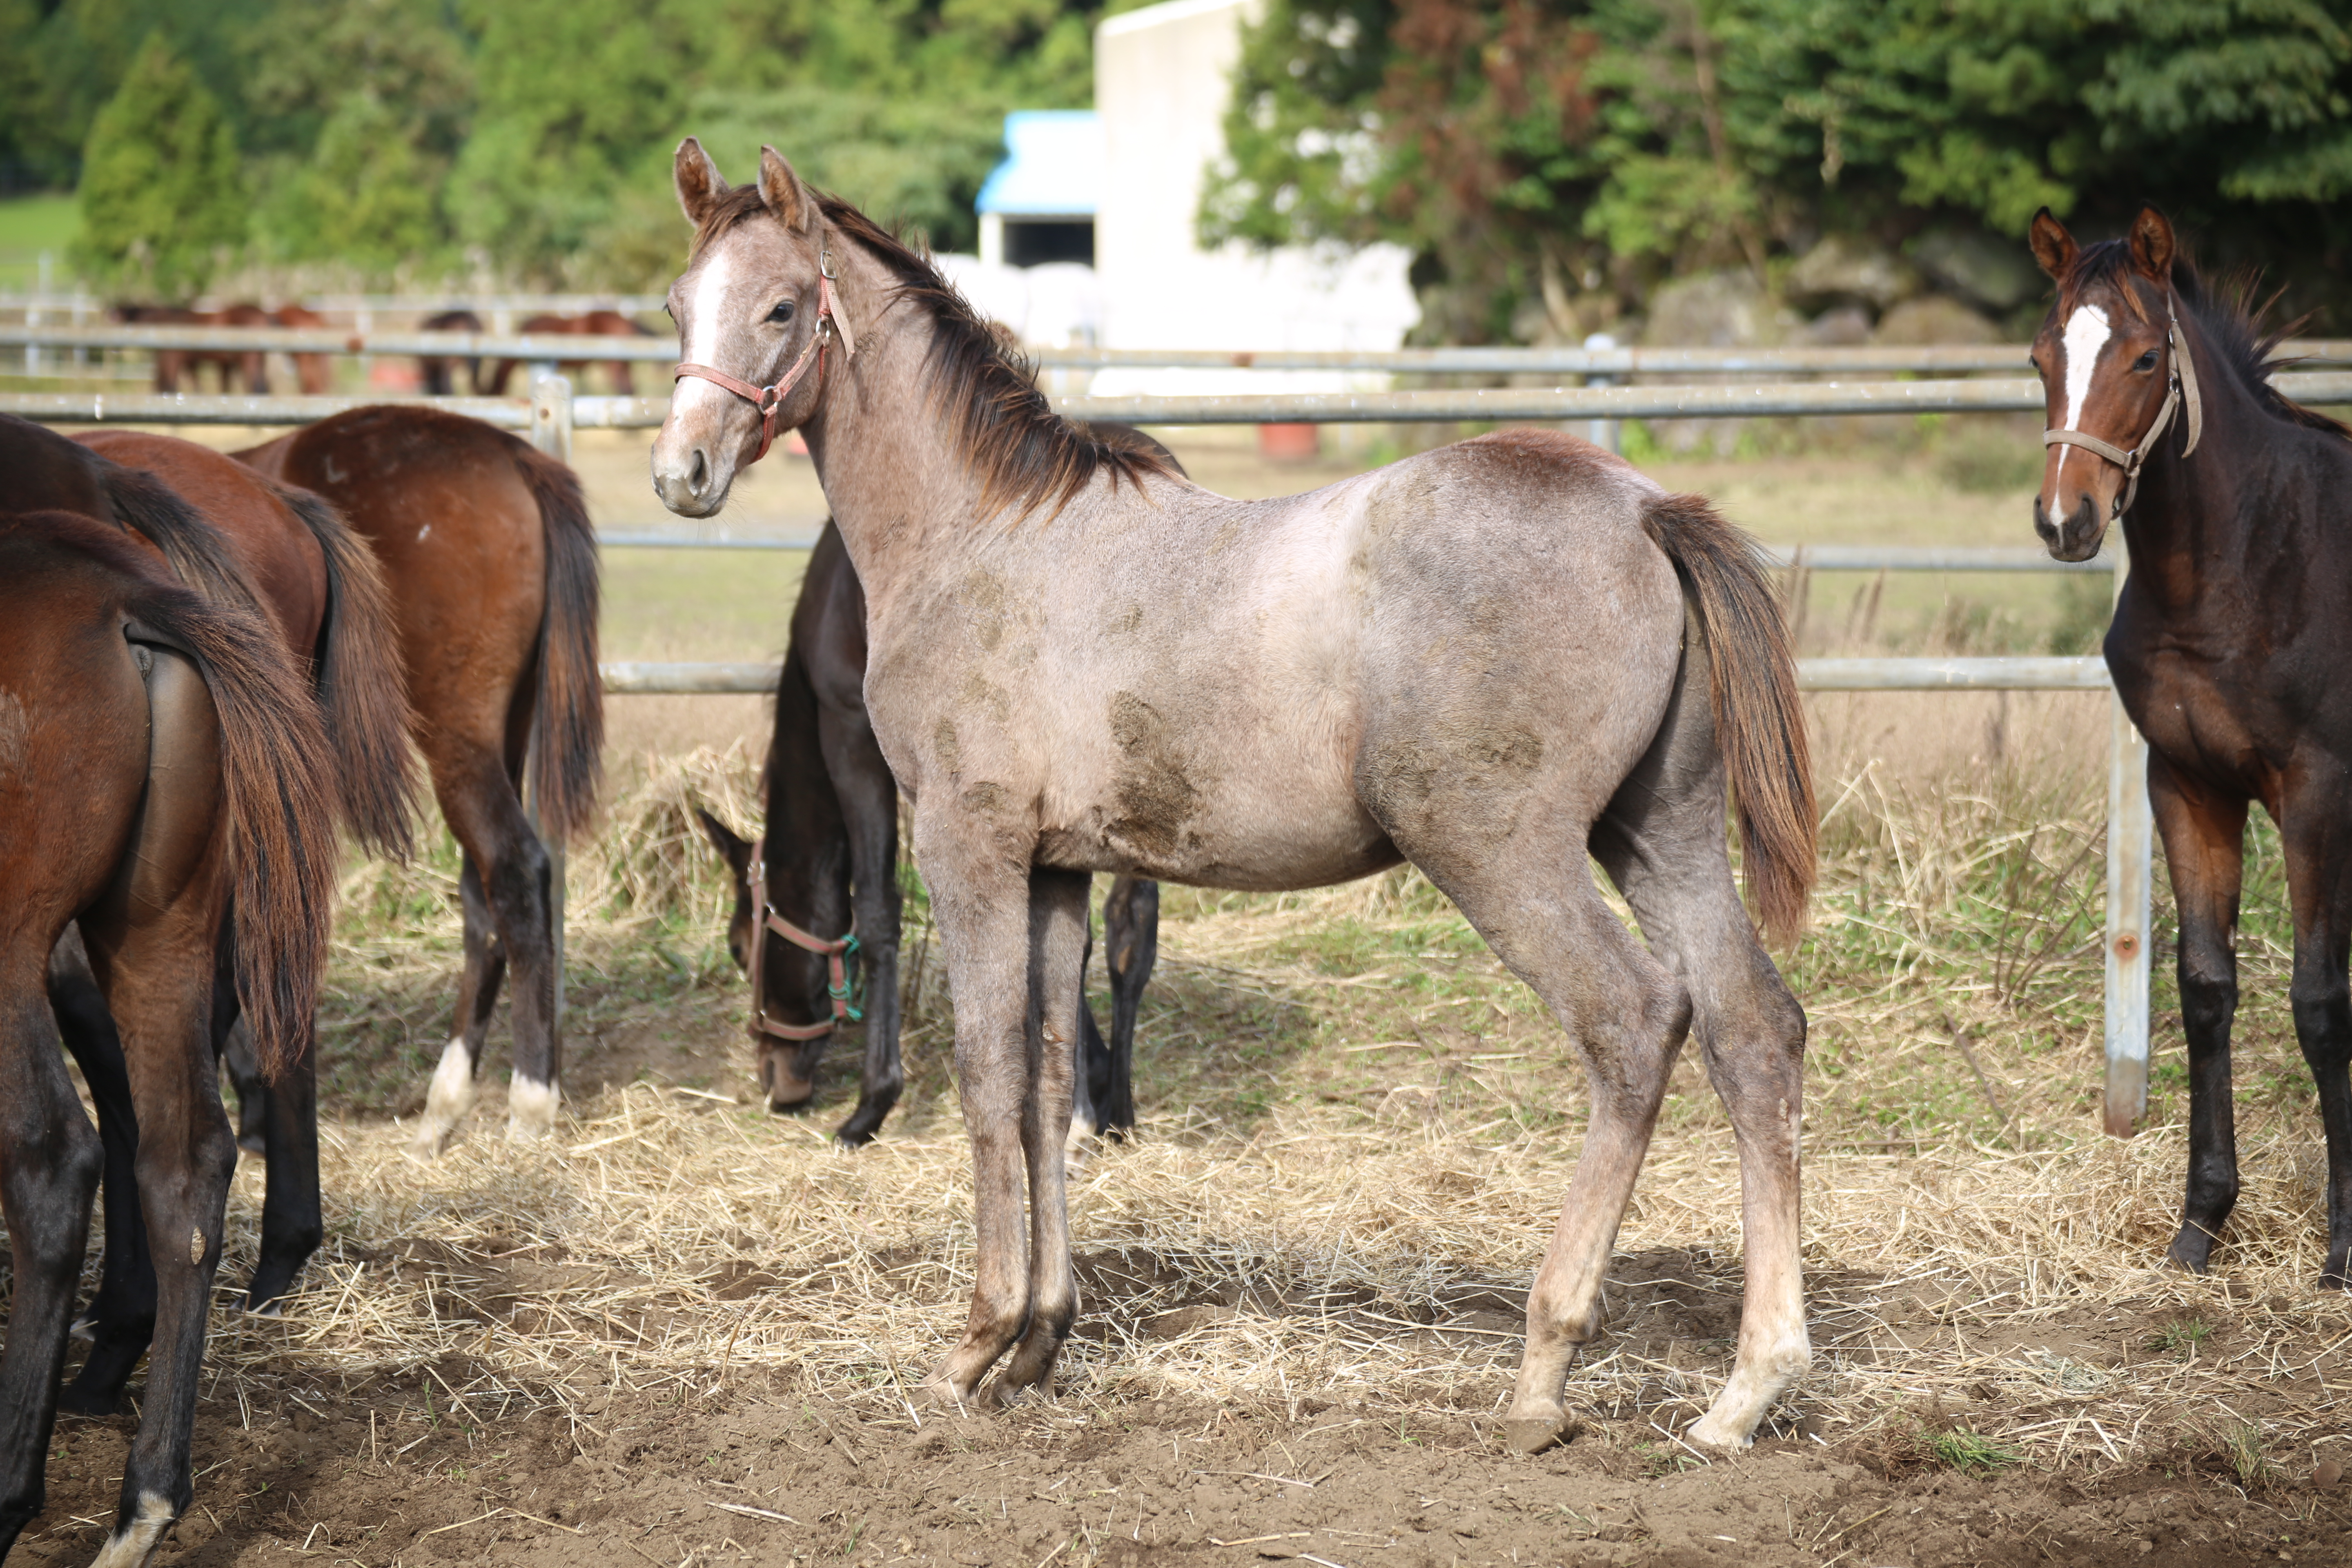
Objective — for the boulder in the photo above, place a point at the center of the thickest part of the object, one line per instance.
(1937, 319)
(1988, 271)
(1840, 326)
(1727, 309)
(1845, 269)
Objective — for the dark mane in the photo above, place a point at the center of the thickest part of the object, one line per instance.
(2231, 322)
(985, 389)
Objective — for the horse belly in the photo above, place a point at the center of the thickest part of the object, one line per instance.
(1251, 830)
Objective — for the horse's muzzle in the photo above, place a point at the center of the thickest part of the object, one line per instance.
(2078, 536)
(688, 481)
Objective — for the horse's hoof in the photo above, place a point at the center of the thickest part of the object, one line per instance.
(75, 1400)
(530, 1109)
(1715, 1442)
(1534, 1433)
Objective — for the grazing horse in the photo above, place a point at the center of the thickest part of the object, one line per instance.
(490, 563)
(245, 541)
(595, 324)
(829, 861)
(436, 368)
(314, 373)
(167, 780)
(2228, 647)
(249, 365)
(1494, 660)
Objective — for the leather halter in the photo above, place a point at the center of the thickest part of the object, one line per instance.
(768, 399)
(2179, 391)
(837, 955)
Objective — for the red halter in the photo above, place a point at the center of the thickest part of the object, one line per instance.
(768, 399)
(835, 954)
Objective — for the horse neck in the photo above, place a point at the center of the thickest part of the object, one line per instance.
(2188, 528)
(892, 465)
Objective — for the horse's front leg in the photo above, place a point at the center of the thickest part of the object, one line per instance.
(980, 896)
(1058, 942)
(2204, 850)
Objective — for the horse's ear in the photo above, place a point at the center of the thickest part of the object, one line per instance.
(783, 191)
(699, 183)
(2152, 245)
(2053, 245)
(735, 851)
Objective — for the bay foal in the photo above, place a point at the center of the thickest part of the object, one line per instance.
(1491, 659)
(2229, 648)
(163, 766)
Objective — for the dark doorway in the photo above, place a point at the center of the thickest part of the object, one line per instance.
(1029, 241)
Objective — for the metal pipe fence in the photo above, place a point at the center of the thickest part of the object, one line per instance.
(552, 412)
(1476, 406)
(1944, 358)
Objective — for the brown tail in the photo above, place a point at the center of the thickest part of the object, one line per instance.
(362, 684)
(198, 553)
(1758, 722)
(277, 775)
(567, 717)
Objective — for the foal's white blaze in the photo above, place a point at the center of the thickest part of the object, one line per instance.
(2087, 331)
(707, 318)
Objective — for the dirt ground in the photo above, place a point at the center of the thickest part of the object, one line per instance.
(395, 1472)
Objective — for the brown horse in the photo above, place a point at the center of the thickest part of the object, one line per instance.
(491, 564)
(256, 545)
(314, 373)
(2229, 646)
(595, 324)
(829, 862)
(249, 365)
(434, 368)
(1499, 660)
(165, 766)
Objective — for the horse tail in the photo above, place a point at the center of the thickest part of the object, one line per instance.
(1759, 721)
(362, 684)
(278, 786)
(567, 717)
(197, 552)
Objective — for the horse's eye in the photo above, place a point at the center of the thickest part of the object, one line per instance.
(2035, 361)
(2147, 360)
(782, 313)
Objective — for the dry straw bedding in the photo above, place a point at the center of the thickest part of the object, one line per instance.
(1353, 1216)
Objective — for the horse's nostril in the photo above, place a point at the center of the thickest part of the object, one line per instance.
(697, 474)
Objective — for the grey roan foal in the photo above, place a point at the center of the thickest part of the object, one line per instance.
(1487, 659)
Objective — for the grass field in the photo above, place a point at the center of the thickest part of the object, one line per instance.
(29, 226)
(689, 1332)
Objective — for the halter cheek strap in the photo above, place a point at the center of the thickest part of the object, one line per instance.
(769, 399)
(838, 954)
(2180, 391)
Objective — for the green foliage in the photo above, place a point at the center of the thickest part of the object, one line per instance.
(1542, 152)
(161, 196)
(1970, 1452)
(2181, 1336)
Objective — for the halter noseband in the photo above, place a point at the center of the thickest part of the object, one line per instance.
(768, 399)
(2180, 389)
(837, 954)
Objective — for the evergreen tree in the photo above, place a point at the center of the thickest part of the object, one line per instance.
(160, 194)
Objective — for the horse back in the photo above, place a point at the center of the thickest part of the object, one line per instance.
(271, 543)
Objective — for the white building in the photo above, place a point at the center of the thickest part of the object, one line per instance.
(1124, 183)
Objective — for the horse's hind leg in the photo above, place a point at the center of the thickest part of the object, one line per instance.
(450, 1098)
(1662, 841)
(1130, 951)
(49, 1162)
(2319, 883)
(291, 1223)
(121, 1317)
(868, 796)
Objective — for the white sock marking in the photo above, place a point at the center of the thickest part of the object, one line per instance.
(135, 1539)
(450, 1097)
(531, 1108)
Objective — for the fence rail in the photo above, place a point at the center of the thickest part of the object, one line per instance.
(1880, 360)
(1481, 405)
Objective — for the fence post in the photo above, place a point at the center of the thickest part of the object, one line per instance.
(1606, 434)
(551, 432)
(2131, 864)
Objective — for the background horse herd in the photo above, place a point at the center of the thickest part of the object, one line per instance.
(1493, 661)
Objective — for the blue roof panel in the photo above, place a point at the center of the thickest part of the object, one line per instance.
(1054, 166)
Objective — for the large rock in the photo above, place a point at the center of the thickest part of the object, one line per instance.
(1727, 309)
(1937, 319)
(1842, 270)
(1990, 272)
